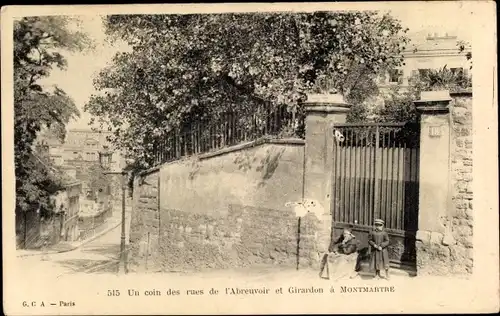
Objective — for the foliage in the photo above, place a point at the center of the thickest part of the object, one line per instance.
(464, 47)
(398, 101)
(97, 179)
(37, 45)
(195, 67)
(445, 79)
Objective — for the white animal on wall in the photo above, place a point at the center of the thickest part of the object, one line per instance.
(338, 135)
(306, 206)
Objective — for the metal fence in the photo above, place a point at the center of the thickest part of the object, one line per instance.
(376, 174)
(89, 226)
(230, 129)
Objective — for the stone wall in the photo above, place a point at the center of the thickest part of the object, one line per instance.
(223, 210)
(447, 248)
(461, 176)
(145, 221)
(246, 236)
(266, 174)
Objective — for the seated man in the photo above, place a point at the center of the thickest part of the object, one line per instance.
(346, 245)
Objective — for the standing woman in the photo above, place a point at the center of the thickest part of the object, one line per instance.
(379, 240)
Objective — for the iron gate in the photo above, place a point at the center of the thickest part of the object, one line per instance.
(375, 175)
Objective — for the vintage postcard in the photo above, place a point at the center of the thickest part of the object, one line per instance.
(275, 158)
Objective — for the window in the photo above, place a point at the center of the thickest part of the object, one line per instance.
(423, 72)
(396, 75)
(457, 71)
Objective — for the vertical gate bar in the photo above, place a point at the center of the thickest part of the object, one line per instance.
(413, 180)
(387, 181)
(229, 129)
(381, 186)
(177, 144)
(351, 180)
(362, 178)
(278, 116)
(200, 138)
(160, 149)
(410, 188)
(354, 166)
(376, 210)
(403, 186)
(344, 193)
(344, 178)
(368, 162)
(417, 171)
(385, 200)
(218, 134)
(333, 204)
(341, 182)
(357, 163)
(398, 183)
(385, 167)
(369, 177)
(235, 129)
(162, 152)
(184, 143)
(223, 126)
(393, 166)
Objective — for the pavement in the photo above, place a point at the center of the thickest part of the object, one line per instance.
(64, 246)
(100, 253)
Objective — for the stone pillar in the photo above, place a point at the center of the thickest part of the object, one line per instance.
(323, 111)
(434, 181)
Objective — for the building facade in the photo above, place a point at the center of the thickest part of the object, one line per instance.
(433, 51)
(79, 153)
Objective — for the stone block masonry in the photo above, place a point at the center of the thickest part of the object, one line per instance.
(461, 177)
(245, 236)
(145, 223)
(449, 251)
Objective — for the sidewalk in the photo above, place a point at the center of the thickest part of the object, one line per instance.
(65, 246)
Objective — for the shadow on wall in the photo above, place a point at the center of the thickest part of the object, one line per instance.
(267, 165)
(195, 168)
(246, 161)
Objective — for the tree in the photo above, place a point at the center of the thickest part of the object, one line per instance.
(184, 68)
(98, 181)
(37, 45)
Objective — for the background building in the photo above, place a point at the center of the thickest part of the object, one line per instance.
(425, 52)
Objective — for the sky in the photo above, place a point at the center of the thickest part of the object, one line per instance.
(77, 79)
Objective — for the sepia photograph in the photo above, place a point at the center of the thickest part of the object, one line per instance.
(249, 159)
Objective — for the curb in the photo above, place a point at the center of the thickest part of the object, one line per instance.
(107, 230)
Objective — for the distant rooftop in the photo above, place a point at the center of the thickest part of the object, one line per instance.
(443, 42)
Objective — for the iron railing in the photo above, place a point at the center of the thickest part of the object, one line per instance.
(230, 129)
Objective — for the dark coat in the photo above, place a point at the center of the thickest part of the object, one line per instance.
(347, 248)
(379, 258)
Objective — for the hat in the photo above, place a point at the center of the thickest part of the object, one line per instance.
(379, 221)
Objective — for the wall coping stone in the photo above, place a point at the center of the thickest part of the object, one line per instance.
(462, 92)
(326, 103)
(433, 102)
(148, 171)
(433, 109)
(257, 142)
